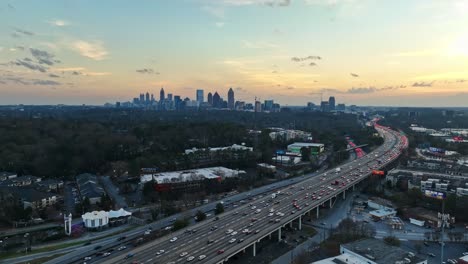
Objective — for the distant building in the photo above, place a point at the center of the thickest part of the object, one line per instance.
(281, 134)
(147, 98)
(325, 106)
(331, 103)
(50, 185)
(36, 199)
(210, 98)
(341, 107)
(200, 96)
(268, 104)
(217, 103)
(4, 175)
(20, 181)
(169, 97)
(230, 103)
(315, 148)
(161, 95)
(258, 106)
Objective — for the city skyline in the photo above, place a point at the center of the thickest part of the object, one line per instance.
(364, 52)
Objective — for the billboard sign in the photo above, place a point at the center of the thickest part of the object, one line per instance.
(437, 150)
(434, 194)
(280, 152)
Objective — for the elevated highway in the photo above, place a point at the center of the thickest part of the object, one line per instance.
(216, 241)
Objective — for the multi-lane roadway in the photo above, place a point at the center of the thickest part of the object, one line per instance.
(216, 240)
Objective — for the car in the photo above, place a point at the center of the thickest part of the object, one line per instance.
(221, 251)
(183, 254)
(106, 254)
(271, 214)
(121, 238)
(174, 239)
(201, 257)
(190, 258)
(97, 247)
(213, 228)
(232, 240)
(87, 258)
(87, 243)
(292, 212)
(129, 255)
(257, 231)
(229, 231)
(240, 240)
(465, 253)
(210, 241)
(234, 233)
(121, 248)
(161, 251)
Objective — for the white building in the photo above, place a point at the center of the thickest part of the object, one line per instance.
(234, 147)
(191, 175)
(100, 219)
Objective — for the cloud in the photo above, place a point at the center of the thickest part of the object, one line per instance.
(362, 90)
(30, 65)
(93, 50)
(422, 84)
(53, 75)
(19, 47)
(219, 24)
(461, 81)
(43, 57)
(312, 64)
(147, 71)
(20, 32)
(354, 75)
(24, 81)
(239, 89)
(58, 23)
(45, 82)
(274, 72)
(298, 59)
(290, 88)
(76, 73)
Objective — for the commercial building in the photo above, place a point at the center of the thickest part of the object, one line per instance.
(36, 199)
(315, 148)
(5, 175)
(20, 180)
(101, 219)
(331, 103)
(230, 102)
(188, 179)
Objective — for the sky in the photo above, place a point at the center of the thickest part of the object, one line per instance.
(364, 52)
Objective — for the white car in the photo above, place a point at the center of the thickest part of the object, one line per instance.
(121, 248)
(106, 254)
(271, 214)
(160, 252)
(234, 233)
(229, 231)
(174, 239)
(183, 254)
(190, 258)
(201, 257)
(87, 258)
(232, 241)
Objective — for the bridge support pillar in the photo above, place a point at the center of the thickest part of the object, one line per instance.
(254, 249)
(269, 236)
(318, 212)
(290, 224)
(300, 222)
(353, 186)
(279, 234)
(344, 194)
(331, 204)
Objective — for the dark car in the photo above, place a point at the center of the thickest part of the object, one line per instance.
(97, 247)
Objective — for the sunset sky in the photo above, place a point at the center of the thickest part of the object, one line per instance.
(365, 52)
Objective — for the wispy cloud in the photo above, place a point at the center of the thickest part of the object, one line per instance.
(147, 71)
(19, 32)
(27, 63)
(312, 64)
(299, 59)
(54, 75)
(43, 57)
(354, 75)
(461, 81)
(93, 50)
(45, 82)
(58, 23)
(422, 84)
(25, 81)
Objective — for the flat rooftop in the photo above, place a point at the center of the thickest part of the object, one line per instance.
(191, 175)
(380, 252)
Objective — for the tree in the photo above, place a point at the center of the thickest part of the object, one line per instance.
(392, 240)
(200, 216)
(180, 223)
(219, 208)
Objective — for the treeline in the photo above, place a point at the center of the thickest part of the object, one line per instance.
(65, 141)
